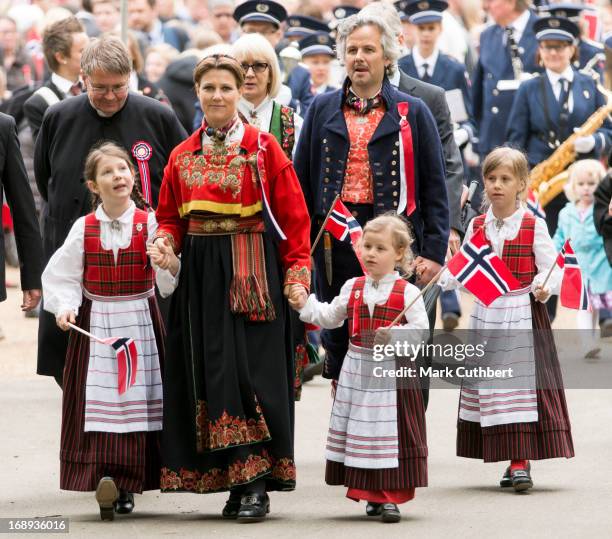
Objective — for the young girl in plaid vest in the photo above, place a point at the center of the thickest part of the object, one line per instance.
(376, 444)
(524, 418)
(101, 280)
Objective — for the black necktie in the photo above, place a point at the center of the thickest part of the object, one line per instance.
(564, 94)
(425, 77)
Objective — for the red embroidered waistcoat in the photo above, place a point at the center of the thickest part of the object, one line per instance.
(358, 183)
(131, 275)
(359, 320)
(517, 254)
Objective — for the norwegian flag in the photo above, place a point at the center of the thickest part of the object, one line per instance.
(344, 227)
(573, 289)
(481, 271)
(127, 361)
(534, 206)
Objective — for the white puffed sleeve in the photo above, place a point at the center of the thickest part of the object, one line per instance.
(63, 277)
(328, 315)
(545, 257)
(166, 282)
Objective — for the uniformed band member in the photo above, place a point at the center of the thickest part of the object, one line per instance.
(549, 107)
(587, 48)
(317, 55)
(350, 146)
(427, 63)
(144, 127)
(507, 49)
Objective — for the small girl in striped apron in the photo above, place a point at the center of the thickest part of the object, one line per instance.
(515, 422)
(376, 443)
(102, 281)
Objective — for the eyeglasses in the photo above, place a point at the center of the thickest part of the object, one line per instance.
(556, 48)
(258, 67)
(103, 90)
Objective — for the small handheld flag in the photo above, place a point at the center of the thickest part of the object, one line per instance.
(533, 205)
(344, 227)
(573, 288)
(481, 271)
(127, 357)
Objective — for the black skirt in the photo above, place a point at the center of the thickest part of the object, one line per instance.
(228, 384)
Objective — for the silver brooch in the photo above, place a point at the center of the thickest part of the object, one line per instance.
(116, 225)
(499, 223)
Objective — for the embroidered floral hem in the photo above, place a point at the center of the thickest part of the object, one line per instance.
(227, 430)
(282, 472)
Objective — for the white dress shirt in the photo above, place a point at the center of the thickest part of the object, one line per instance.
(430, 61)
(62, 84)
(518, 26)
(555, 82)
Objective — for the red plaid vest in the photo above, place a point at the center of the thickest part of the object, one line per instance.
(518, 253)
(359, 315)
(131, 275)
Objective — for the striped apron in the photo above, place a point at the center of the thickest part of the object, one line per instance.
(120, 294)
(363, 430)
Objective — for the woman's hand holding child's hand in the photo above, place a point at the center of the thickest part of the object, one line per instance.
(162, 255)
(62, 320)
(541, 294)
(297, 297)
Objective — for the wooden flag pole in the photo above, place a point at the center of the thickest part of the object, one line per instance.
(323, 225)
(425, 289)
(90, 335)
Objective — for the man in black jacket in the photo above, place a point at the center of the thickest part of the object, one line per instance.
(143, 126)
(14, 182)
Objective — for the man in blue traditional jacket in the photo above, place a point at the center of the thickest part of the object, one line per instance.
(378, 149)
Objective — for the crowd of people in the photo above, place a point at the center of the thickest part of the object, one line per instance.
(172, 189)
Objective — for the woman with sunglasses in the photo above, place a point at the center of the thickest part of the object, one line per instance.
(262, 83)
(549, 107)
(231, 203)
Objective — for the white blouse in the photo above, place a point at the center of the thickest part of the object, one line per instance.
(332, 315)
(261, 117)
(543, 248)
(63, 277)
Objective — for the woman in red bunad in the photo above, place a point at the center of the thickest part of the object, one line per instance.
(231, 204)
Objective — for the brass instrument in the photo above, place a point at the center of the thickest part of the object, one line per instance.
(547, 178)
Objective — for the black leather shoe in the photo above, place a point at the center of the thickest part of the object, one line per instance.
(253, 508)
(506, 480)
(125, 503)
(373, 509)
(106, 495)
(390, 513)
(521, 480)
(232, 505)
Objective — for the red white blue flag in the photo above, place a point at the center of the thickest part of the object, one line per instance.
(127, 361)
(344, 227)
(481, 271)
(534, 206)
(573, 289)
